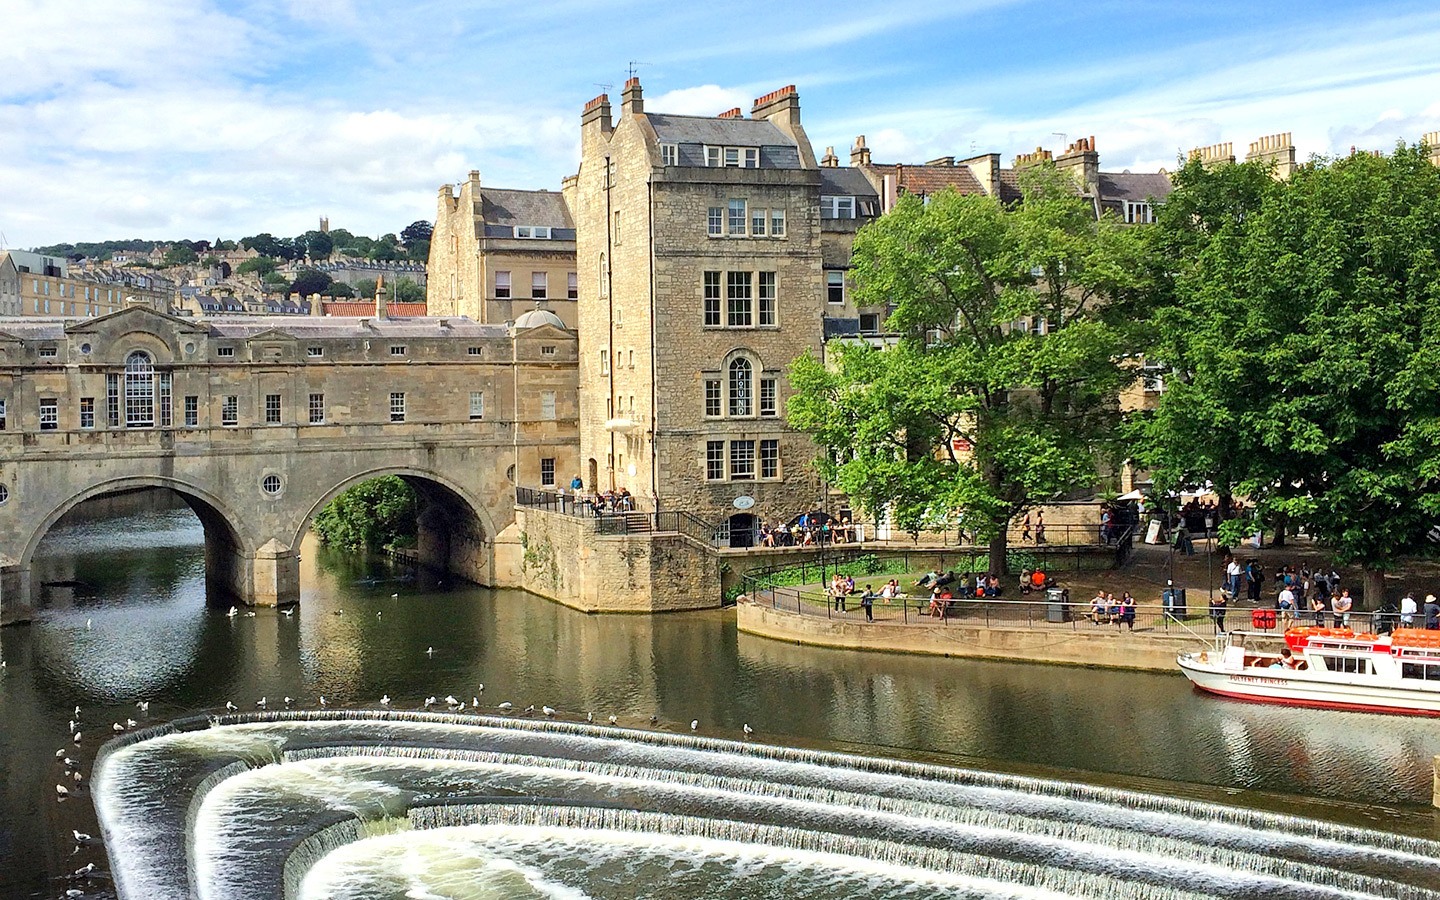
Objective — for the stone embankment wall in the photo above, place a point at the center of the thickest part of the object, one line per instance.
(1078, 648)
(562, 558)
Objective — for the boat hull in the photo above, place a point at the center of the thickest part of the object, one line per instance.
(1299, 688)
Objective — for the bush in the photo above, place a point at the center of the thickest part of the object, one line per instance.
(369, 516)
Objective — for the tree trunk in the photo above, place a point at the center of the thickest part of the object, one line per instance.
(1281, 524)
(1374, 588)
(997, 551)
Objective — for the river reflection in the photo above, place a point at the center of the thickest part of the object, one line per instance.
(135, 625)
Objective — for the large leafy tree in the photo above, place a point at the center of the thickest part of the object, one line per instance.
(371, 515)
(1306, 339)
(310, 281)
(1014, 324)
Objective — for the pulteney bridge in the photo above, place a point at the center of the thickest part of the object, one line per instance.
(258, 422)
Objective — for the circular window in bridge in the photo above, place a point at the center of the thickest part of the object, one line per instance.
(4, 494)
(270, 484)
(85, 348)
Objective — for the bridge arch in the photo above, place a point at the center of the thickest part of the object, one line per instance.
(456, 529)
(226, 546)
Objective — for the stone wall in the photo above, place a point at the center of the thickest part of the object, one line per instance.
(562, 558)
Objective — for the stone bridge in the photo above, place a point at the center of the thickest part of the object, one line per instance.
(258, 422)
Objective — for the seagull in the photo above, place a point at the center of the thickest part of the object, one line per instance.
(234, 611)
(385, 700)
(74, 724)
(474, 702)
(694, 724)
(507, 706)
(481, 688)
(144, 705)
(87, 624)
(117, 728)
(614, 719)
(62, 790)
(73, 893)
(230, 707)
(590, 717)
(548, 710)
(429, 651)
(262, 703)
(81, 837)
(378, 615)
(250, 615)
(60, 754)
(131, 723)
(69, 763)
(451, 701)
(748, 730)
(288, 701)
(83, 872)
(395, 596)
(78, 777)
(77, 737)
(323, 704)
(654, 720)
(530, 710)
(289, 612)
(429, 702)
(77, 712)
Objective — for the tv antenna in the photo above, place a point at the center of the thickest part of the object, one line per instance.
(604, 87)
(634, 64)
(1062, 136)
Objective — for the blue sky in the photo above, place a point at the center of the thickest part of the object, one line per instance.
(190, 118)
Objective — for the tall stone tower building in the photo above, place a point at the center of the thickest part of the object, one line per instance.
(699, 256)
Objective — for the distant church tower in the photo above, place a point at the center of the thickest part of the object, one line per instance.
(324, 224)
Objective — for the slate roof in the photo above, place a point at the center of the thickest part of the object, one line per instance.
(672, 129)
(845, 182)
(501, 206)
(1134, 186)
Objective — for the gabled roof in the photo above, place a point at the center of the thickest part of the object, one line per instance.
(153, 321)
(927, 180)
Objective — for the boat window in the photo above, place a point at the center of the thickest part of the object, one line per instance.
(1351, 665)
(1421, 671)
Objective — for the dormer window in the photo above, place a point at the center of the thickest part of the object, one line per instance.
(533, 232)
(732, 157)
(834, 207)
(669, 154)
(1139, 213)
(47, 352)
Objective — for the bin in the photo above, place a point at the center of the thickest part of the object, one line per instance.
(1262, 618)
(1056, 609)
(1173, 600)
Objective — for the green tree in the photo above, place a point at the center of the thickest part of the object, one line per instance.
(339, 289)
(371, 515)
(1013, 326)
(310, 281)
(1308, 333)
(181, 254)
(318, 244)
(419, 230)
(365, 287)
(276, 282)
(406, 290)
(259, 265)
(418, 251)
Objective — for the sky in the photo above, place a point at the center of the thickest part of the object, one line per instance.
(164, 119)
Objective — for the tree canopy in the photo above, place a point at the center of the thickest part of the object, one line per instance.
(371, 515)
(310, 281)
(1001, 392)
(1305, 339)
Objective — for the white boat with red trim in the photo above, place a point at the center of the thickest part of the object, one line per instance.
(1334, 668)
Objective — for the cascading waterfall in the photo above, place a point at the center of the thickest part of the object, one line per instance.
(386, 803)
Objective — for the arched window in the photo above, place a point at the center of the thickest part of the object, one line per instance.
(741, 387)
(139, 391)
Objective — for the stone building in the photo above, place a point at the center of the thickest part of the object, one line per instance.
(699, 255)
(496, 253)
(34, 284)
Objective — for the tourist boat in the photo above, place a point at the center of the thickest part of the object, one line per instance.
(1334, 668)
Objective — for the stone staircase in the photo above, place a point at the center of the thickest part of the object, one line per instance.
(638, 523)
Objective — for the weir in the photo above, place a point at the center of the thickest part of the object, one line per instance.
(309, 805)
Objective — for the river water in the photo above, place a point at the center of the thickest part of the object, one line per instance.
(132, 624)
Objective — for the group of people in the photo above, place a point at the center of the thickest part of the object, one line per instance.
(1106, 610)
(810, 531)
(842, 587)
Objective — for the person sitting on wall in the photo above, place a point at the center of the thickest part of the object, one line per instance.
(1097, 612)
(1127, 611)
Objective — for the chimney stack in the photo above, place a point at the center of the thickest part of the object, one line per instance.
(632, 100)
(382, 306)
(1276, 149)
(830, 160)
(1082, 161)
(1214, 155)
(781, 107)
(860, 154)
(1431, 140)
(731, 113)
(597, 110)
(1039, 157)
